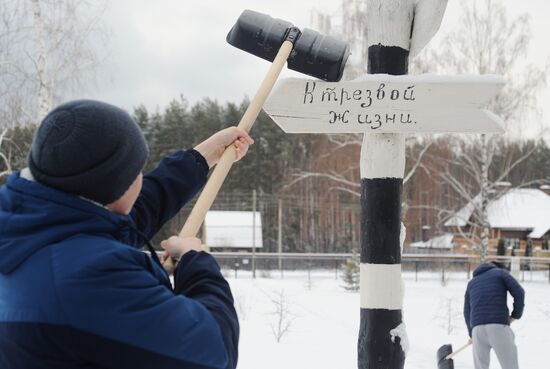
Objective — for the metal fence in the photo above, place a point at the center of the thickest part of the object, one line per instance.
(414, 266)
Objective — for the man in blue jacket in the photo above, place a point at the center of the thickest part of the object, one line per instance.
(488, 318)
(75, 289)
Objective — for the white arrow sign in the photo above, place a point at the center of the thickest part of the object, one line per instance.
(382, 103)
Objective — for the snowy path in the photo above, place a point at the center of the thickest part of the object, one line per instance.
(323, 332)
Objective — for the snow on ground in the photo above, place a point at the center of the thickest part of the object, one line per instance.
(324, 320)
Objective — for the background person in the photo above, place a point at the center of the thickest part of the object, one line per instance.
(488, 318)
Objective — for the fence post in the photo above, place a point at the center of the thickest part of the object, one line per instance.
(416, 271)
(280, 233)
(254, 234)
(515, 267)
(309, 274)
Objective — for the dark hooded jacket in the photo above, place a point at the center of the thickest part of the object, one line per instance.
(77, 292)
(486, 296)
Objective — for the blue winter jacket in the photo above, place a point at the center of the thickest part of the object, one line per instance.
(486, 295)
(77, 292)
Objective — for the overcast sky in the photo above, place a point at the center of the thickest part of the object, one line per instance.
(163, 48)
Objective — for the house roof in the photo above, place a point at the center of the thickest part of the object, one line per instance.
(518, 209)
(444, 241)
(233, 229)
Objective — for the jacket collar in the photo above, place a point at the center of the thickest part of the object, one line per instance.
(24, 183)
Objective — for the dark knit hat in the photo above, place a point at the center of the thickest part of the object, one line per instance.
(88, 148)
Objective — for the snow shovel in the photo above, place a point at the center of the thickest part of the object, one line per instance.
(277, 41)
(445, 356)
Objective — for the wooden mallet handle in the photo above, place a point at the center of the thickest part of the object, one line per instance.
(458, 351)
(212, 187)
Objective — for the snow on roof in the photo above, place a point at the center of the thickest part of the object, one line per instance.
(460, 218)
(522, 209)
(444, 241)
(232, 229)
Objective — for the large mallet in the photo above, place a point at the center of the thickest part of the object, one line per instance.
(278, 41)
(445, 355)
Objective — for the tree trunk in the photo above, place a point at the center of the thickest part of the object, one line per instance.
(43, 91)
(484, 193)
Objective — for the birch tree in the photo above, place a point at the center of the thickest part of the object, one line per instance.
(5, 162)
(48, 49)
(14, 145)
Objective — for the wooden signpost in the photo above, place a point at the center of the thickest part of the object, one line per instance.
(385, 106)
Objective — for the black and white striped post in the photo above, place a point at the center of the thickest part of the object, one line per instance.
(383, 339)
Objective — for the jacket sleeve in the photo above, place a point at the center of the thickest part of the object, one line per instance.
(517, 293)
(125, 318)
(467, 311)
(167, 188)
(198, 277)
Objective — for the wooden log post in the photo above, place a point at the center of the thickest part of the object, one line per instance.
(383, 338)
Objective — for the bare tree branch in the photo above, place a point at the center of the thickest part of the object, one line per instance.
(332, 176)
(417, 163)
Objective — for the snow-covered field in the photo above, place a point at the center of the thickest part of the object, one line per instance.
(324, 321)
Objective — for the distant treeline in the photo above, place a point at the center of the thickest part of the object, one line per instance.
(314, 179)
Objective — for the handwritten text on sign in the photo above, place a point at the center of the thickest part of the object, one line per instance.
(382, 103)
(365, 98)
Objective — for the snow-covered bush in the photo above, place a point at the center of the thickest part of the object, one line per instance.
(282, 315)
(449, 314)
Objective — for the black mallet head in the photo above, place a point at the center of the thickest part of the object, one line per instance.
(442, 361)
(316, 55)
